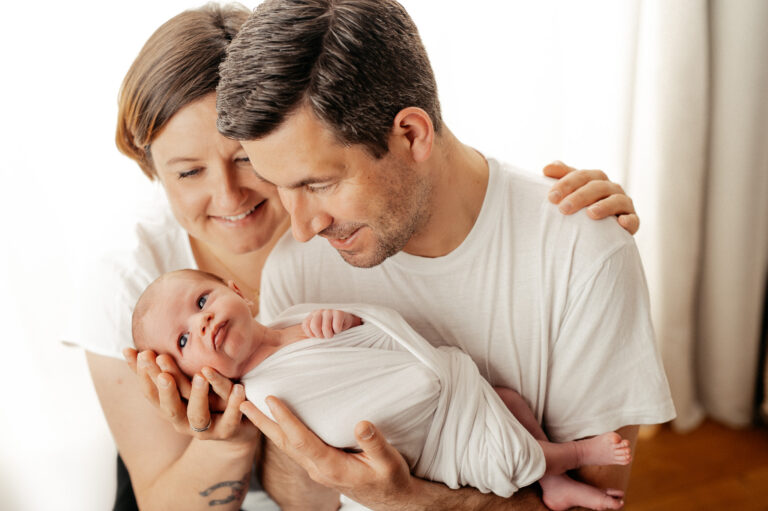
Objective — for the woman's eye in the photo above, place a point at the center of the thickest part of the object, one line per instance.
(244, 160)
(188, 173)
(201, 301)
(183, 340)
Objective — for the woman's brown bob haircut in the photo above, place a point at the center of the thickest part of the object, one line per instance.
(178, 65)
(354, 63)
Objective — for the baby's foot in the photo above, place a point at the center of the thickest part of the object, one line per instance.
(605, 449)
(560, 492)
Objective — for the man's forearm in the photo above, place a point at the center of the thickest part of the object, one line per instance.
(429, 496)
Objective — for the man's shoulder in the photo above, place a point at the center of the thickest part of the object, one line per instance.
(533, 219)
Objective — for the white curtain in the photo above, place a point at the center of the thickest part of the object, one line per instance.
(698, 169)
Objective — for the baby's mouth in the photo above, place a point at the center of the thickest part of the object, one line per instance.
(220, 334)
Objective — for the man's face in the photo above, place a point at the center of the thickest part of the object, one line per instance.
(367, 209)
(200, 322)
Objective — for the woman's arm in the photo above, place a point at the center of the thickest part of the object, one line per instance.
(170, 470)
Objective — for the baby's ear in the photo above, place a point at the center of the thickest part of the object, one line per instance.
(231, 285)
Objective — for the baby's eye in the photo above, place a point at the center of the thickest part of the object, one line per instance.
(201, 301)
(183, 340)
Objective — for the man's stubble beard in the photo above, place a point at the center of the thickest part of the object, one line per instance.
(405, 213)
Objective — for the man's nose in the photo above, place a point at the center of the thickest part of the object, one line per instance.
(306, 218)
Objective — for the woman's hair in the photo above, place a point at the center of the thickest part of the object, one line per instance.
(178, 65)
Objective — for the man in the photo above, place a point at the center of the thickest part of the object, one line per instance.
(336, 104)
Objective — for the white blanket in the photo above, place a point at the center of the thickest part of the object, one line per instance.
(430, 403)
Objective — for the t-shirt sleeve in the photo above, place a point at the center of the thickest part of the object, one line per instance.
(107, 299)
(605, 371)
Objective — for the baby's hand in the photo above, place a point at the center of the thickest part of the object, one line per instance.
(326, 323)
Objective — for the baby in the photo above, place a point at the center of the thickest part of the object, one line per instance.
(432, 404)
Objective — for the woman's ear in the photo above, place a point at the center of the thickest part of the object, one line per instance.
(231, 285)
(413, 131)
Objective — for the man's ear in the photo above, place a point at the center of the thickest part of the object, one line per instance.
(413, 131)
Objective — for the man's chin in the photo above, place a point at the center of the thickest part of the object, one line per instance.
(361, 259)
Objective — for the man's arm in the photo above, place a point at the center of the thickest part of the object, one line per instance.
(378, 477)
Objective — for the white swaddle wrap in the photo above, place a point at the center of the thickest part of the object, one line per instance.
(430, 403)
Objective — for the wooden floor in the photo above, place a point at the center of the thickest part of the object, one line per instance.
(712, 468)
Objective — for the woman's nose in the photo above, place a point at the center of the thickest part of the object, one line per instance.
(230, 192)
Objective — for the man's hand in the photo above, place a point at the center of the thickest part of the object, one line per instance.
(325, 323)
(577, 189)
(378, 476)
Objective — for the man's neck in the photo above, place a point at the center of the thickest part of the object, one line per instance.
(459, 176)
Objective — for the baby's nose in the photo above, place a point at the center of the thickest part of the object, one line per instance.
(206, 322)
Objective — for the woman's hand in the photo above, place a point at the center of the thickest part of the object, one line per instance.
(216, 417)
(576, 189)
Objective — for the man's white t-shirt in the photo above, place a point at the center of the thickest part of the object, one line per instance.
(552, 306)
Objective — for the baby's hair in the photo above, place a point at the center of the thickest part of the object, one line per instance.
(144, 303)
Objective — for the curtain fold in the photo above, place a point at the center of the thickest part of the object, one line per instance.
(698, 167)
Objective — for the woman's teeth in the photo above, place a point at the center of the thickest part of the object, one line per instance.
(242, 215)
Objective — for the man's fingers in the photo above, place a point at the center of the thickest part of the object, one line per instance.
(301, 444)
(263, 423)
(380, 452)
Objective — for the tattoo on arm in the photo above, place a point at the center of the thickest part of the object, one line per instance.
(237, 490)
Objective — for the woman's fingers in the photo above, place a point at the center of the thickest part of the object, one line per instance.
(147, 372)
(222, 387)
(168, 365)
(571, 189)
(557, 169)
(170, 401)
(630, 222)
(228, 423)
(130, 355)
(198, 413)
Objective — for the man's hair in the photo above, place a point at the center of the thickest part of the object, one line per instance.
(354, 63)
(144, 303)
(178, 64)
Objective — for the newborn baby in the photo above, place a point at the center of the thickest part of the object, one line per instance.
(334, 368)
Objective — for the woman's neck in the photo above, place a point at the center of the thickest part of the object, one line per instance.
(243, 269)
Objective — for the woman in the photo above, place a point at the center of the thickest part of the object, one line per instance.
(219, 218)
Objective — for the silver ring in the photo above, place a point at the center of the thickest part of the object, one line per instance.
(200, 430)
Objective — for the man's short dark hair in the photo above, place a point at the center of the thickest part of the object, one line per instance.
(354, 63)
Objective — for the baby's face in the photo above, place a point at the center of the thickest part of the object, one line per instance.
(200, 322)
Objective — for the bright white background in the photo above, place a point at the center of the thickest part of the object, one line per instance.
(525, 81)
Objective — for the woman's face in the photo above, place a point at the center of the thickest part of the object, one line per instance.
(213, 192)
